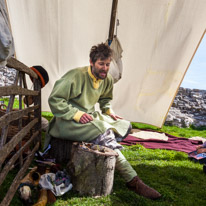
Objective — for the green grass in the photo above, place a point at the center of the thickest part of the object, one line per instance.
(5, 186)
(6, 101)
(173, 130)
(47, 115)
(180, 181)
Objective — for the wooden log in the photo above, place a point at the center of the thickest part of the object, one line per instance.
(92, 169)
(16, 90)
(60, 150)
(14, 63)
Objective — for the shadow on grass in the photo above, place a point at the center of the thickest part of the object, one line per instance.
(179, 185)
(198, 128)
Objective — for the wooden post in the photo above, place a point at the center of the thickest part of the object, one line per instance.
(112, 20)
(37, 112)
(20, 120)
(92, 170)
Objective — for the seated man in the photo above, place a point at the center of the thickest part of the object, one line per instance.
(72, 102)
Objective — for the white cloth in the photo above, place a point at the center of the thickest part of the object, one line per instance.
(150, 135)
(107, 139)
(44, 124)
(198, 139)
(57, 190)
(159, 39)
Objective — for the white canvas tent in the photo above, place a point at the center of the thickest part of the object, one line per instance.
(159, 39)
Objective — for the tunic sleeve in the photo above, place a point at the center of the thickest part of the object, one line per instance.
(106, 97)
(59, 100)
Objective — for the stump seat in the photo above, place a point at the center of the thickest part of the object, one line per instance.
(91, 167)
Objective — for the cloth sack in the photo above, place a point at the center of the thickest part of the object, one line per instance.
(47, 181)
(107, 139)
(116, 66)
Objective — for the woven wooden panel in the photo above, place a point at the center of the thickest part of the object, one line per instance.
(14, 125)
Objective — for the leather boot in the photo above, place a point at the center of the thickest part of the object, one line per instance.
(138, 186)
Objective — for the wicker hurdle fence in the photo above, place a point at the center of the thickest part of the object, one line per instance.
(20, 129)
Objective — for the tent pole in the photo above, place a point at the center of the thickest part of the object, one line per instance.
(112, 21)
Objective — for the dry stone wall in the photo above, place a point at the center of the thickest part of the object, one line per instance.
(188, 108)
(7, 76)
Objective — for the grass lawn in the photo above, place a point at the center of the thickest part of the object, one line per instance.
(180, 181)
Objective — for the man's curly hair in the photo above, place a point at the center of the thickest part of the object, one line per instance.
(101, 51)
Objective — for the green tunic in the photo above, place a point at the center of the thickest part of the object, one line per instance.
(75, 93)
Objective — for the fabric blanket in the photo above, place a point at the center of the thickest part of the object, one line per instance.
(174, 143)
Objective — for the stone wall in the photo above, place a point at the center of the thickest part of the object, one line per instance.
(7, 76)
(188, 108)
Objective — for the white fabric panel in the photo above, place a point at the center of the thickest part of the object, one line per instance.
(57, 34)
(158, 38)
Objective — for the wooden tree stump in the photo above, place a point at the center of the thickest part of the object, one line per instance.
(92, 169)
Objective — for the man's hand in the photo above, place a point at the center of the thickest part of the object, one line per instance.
(85, 118)
(115, 117)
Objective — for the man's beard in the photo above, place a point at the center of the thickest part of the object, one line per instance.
(97, 73)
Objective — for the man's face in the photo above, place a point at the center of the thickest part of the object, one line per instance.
(100, 68)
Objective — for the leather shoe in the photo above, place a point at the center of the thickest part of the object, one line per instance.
(138, 186)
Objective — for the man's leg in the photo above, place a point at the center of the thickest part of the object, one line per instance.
(124, 167)
(133, 181)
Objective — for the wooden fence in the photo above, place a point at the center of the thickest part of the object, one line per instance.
(20, 129)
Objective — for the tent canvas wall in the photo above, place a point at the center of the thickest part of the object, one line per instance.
(6, 40)
(159, 39)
